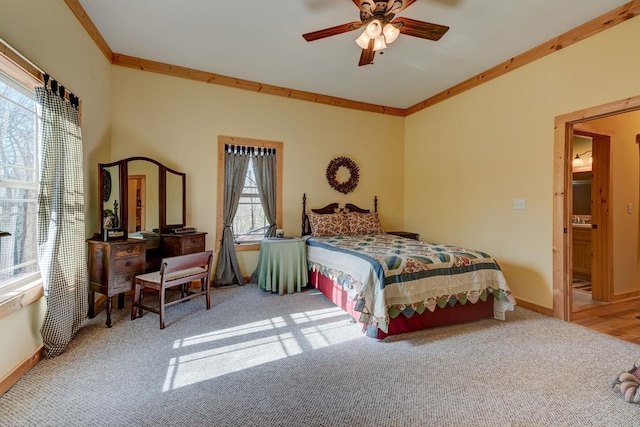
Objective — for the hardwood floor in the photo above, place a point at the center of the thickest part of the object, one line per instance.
(621, 320)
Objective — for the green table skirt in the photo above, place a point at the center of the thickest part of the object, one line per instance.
(282, 265)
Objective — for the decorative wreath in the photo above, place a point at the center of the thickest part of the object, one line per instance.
(354, 174)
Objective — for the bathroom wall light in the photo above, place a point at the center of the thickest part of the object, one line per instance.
(579, 161)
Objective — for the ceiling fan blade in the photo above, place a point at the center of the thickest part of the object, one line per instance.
(327, 32)
(424, 30)
(366, 57)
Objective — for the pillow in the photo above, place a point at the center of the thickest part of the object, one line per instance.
(364, 223)
(328, 224)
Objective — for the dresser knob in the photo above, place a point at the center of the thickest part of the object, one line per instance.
(128, 263)
(129, 249)
(127, 278)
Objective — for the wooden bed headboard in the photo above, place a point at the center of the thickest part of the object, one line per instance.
(329, 209)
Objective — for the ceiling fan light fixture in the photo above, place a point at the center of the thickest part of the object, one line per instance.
(368, 5)
(363, 40)
(394, 7)
(379, 43)
(391, 33)
(374, 29)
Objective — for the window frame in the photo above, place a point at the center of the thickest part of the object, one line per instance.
(28, 289)
(248, 142)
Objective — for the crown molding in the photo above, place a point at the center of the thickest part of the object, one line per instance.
(596, 25)
(206, 77)
(90, 27)
(601, 23)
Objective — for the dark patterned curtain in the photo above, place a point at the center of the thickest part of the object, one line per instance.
(61, 225)
(236, 163)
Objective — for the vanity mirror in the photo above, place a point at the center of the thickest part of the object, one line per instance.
(141, 195)
(174, 202)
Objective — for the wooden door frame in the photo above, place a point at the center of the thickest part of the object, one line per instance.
(601, 214)
(562, 196)
(141, 183)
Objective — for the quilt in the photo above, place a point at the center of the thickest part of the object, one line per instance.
(390, 275)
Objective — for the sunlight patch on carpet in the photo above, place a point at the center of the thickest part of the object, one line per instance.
(253, 344)
(208, 364)
(331, 334)
(246, 329)
(310, 316)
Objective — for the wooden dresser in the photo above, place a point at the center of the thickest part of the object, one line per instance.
(112, 268)
(114, 265)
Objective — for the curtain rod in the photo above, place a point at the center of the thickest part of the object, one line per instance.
(249, 149)
(17, 53)
(43, 77)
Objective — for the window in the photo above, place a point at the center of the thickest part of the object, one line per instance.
(19, 166)
(249, 224)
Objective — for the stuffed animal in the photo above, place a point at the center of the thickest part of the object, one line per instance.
(629, 384)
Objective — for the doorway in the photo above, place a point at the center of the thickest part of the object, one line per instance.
(562, 220)
(590, 231)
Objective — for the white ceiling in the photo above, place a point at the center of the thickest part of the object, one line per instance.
(262, 41)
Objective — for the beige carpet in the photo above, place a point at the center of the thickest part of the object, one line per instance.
(257, 359)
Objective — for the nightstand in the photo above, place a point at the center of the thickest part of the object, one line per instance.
(282, 265)
(407, 234)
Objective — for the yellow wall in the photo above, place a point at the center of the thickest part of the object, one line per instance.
(625, 187)
(449, 172)
(467, 158)
(177, 122)
(48, 34)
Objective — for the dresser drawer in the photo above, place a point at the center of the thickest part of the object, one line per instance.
(123, 282)
(132, 249)
(135, 263)
(177, 244)
(194, 242)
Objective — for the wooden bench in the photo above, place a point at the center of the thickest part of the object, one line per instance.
(174, 271)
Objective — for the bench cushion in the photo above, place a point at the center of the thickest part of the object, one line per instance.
(154, 277)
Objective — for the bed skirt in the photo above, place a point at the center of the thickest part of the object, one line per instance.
(401, 324)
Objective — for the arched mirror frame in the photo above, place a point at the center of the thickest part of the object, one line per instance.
(122, 188)
(168, 213)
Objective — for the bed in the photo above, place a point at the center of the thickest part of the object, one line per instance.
(392, 284)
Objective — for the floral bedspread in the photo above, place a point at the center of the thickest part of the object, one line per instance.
(390, 275)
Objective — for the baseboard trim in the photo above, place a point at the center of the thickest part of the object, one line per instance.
(626, 296)
(7, 382)
(535, 307)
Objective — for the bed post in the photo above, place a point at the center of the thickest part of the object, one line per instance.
(375, 204)
(304, 212)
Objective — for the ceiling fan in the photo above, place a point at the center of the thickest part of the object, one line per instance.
(382, 27)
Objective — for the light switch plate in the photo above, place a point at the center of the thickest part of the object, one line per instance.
(519, 204)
